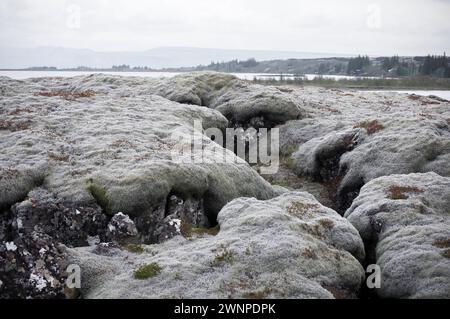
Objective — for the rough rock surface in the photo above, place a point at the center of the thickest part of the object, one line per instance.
(243, 103)
(405, 222)
(32, 266)
(33, 236)
(121, 229)
(65, 222)
(114, 146)
(77, 151)
(287, 247)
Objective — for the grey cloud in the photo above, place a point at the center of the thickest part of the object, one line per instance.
(405, 26)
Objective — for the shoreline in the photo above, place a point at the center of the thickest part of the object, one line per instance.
(356, 83)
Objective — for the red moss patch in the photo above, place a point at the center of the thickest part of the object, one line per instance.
(5, 125)
(327, 223)
(401, 192)
(414, 97)
(429, 103)
(67, 95)
(14, 126)
(309, 253)
(370, 126)
(18, 111)
(442, 243)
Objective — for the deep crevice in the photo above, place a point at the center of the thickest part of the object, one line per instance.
(162, 222)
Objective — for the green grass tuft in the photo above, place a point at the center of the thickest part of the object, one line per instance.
(148, 271)
(100, 195)
(187, 231)
(134, 248)
(206, 231)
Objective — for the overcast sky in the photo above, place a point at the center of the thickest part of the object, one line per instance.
(406, 27)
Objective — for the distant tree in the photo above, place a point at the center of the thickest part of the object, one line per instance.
(250, 63)
(435, 65)
(338, 68)
(122, 67)
(390, 63)
(356, 65)
(322, 68)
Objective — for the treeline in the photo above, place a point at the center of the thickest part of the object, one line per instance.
(232, 66)
(362, 65)
(436, 65)
(290, 66)
(125, 67)
(431, 65)
(400, 83)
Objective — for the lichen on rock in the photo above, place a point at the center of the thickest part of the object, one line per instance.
(289, 247)
(407, 236)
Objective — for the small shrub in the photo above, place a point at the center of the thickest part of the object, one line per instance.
(370, 126)
(224, 256)
(400, 192)
(148, 271)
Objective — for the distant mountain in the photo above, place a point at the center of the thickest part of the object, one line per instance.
(157, 58)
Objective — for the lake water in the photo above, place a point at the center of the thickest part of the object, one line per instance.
(440, 93)
(20, 75)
